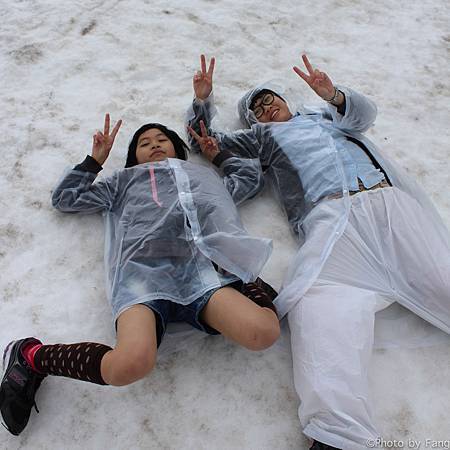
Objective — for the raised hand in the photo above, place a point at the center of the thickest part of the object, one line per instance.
(208, 145)
(103, 142)
(318, 81)
(202, 80)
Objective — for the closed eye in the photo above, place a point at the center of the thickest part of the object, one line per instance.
(256, 105)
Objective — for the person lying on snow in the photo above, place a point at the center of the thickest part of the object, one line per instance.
(175, 251)
(368, 236)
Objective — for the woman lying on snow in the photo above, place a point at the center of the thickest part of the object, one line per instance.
(175, 251)
(369, 236)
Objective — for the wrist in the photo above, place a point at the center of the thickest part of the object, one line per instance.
(340, 99)
(99, 160)
(213, 155)
(221, 157)
(333, 97)
(89, 165)
(337, 98)
(203, 98)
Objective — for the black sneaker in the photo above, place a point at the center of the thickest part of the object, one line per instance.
(18, 388)
(320, 446)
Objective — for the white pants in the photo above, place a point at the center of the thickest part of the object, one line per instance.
(390, 251)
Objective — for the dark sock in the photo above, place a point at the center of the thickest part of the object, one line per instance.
(79, 361)
(260, 293)
(316, 445)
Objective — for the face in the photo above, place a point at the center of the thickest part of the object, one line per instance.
(270, 108)
(153, 145)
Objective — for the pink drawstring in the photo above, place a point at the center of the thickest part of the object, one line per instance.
(153, 185)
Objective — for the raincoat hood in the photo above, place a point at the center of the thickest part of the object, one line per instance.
(246, 115)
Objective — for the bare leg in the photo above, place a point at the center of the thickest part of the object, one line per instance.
(134, 355)
(241, 320)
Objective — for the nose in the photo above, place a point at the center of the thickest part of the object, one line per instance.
(267, 108)
(155, 145)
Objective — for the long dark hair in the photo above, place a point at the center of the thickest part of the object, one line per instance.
(181, 148)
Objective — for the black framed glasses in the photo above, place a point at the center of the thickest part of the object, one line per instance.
(261, 101)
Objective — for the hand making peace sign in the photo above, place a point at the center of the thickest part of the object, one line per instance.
(208, 145)
(318, 81)
(202, 80)
(103, 142)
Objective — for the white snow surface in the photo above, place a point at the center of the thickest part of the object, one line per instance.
(63, 65)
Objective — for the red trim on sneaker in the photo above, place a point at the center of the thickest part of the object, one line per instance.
(28, 353)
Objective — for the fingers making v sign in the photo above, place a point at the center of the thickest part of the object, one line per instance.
(208, 145)
(103, 142)
(318, 81)
(202, 80)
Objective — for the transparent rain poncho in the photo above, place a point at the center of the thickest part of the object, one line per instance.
(166, 224)
(315, 196)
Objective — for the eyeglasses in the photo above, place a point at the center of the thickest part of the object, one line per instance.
(265, 100)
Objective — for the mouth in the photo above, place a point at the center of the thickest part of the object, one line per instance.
(274, 114)
(157, 152)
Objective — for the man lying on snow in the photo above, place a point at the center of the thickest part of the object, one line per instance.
(368, 236)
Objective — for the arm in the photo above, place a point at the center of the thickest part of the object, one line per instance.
(76, 191)
(242, 142)
(243, 177)
(200, 110)
(202, 107)
(359, 113)
(348, 109)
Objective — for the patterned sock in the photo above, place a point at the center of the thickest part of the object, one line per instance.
(79, 361)
(260, 293)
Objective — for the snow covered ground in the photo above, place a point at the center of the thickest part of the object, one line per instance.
(63, 65)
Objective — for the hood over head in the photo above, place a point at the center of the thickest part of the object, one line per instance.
(246, 115)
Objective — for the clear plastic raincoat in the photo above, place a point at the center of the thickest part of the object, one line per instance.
(317, 220)
(166, 223)
(358, 254)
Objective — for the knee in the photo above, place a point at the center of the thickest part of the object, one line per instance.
(263, 333)
(132, 366)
